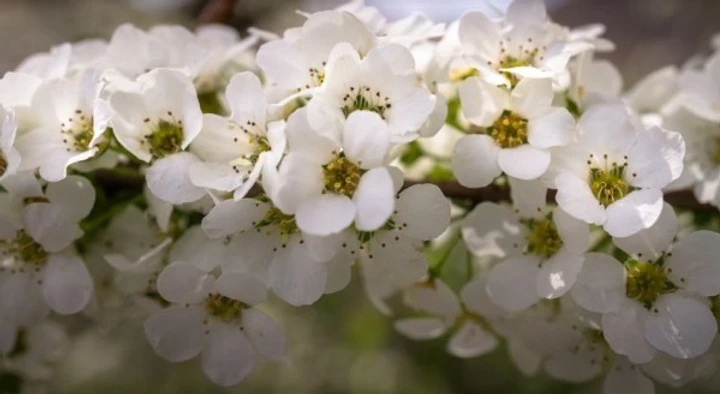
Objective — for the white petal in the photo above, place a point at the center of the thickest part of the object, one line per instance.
(625, 377)
(48, 226)
(339, 273)
(241, 287)
(512, 283)
(227, 357)
(366, 139)
(531, 98)
(524, 358)
(325, 215)
(169, 179)
(217, 176)
(194, 247)
(682, 327)
(246, 99)
(558, 274)
(420, 329)
(649, 244)
(492, 230)
(264, 333)
(425, 210)
(478, 34)
(574, 233)
(475, 297)
(183, 283)
(482, 103)
(528, 197)
(435, 298)
(471, 341)
(21, 300)
(393, 262)
(624, 331)
(474, 161)
(67, 284)
(295, 276)
(607, 129)
(575, 366)
(524, 162)
(556, 128)
(656, 159)
(636, 211)
(231, 217)
(600, 287)
(74, 195)
(176, 333)
(410, 113)
(575, 197)
(303, 139)
(693, 263)
(374, 199)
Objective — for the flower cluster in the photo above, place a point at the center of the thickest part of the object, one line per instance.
(180, 177)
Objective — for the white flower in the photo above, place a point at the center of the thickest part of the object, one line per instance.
(653, 301)
(329, 185)
(524, 44)
(48, 65)
(69, 124)
(383, 82)
(519, 129)
(614, 174)
(297, 62)
(541, 255)
(470, 337)
(9, 156)
(133, 52)
(235, 149)
(227, 54)
(391, 257)
(214, 317)
(701, 89)
(264, 242)
(38, 270)
(156, 125)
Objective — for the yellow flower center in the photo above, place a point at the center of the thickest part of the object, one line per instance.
(509, 130)
(77, 132)
(275, 217)
(364, 98)
(261, 144)
(544, 239)
(609, 186)
(26, 251)
(646, 282)
(224, 308)
(165, 139)
(341, 176)
(512, 62)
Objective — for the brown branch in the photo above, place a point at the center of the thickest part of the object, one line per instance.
(684, 199)
(217, 11)
(113, 181)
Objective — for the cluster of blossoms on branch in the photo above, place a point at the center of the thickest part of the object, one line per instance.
(181, 177)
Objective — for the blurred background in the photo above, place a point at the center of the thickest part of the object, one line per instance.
(341, 344)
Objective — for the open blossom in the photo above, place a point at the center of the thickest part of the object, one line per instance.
(613, 175)
(156, 125)
(298, 61)
(519, 128)
(539, 256)
(653, 301)
(470, 336)
(262, 241)
(39, 271)
(330, 185)
(383, 82)
(215, 317)
(235, 149)
(701, 89)
(70, 120)
(522, 44)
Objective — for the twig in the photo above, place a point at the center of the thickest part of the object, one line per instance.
(217, 11)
